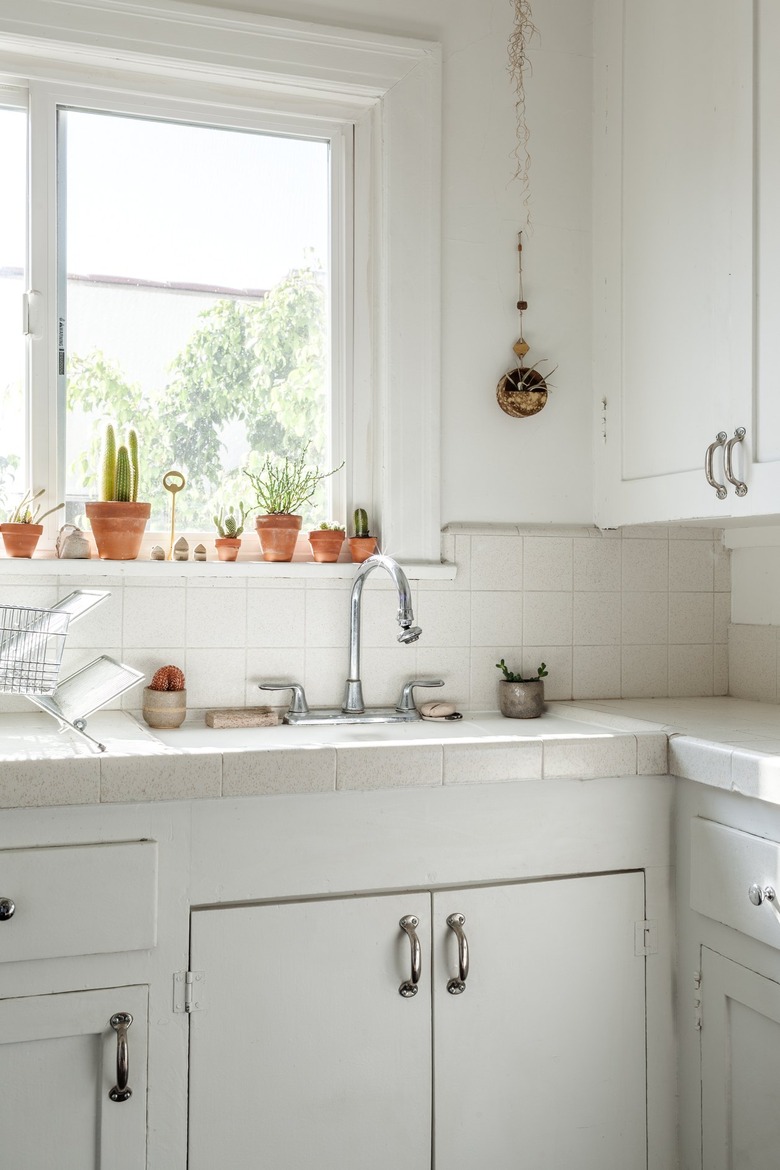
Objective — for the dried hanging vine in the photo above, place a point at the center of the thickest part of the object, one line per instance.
(523, 32)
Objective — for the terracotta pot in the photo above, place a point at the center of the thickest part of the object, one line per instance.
(20, 540)
(164, 709)
(118, 528)
(521, 700)
(227, 547)
(361, 548)
(278, 533)
(326, 544)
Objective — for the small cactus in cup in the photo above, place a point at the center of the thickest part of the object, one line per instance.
(361, 523)
(231, 523)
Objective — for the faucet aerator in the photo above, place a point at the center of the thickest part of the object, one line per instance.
(410, 635)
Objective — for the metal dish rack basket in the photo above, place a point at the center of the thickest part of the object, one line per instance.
(32, 642)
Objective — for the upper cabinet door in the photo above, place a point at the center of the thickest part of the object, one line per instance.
(673, 256)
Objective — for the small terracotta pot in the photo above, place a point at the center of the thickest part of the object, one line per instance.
(277, 534)
(118, 528)
(164, 709)
(326, 544)
(361, 548)
(227, 547)
(521, 700)
(20, 540)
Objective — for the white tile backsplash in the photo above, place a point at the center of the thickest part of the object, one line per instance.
(640, 612)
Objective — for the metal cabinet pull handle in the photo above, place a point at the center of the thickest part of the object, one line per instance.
(759, 894)
(7, 909)
(720, 489)
(409, 924)
(458, 986)
(120, 1023)
(739, 486)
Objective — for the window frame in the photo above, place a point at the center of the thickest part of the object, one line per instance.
(383, 93)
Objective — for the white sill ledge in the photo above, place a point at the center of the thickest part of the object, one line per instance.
(44, 566)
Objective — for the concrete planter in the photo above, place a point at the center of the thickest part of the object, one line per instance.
(521, 700)
(164, 709)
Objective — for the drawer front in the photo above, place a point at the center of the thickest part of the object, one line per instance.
(79, 900)
(725, 863)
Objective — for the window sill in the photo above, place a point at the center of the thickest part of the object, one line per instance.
(50, 566)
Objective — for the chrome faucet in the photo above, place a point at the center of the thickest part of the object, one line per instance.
(353, 691)
(353, 709)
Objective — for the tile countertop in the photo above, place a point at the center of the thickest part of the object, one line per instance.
(726, 743)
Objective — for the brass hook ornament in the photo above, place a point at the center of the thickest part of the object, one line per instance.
(173, 482)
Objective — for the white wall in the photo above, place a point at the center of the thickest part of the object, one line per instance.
(496, 468)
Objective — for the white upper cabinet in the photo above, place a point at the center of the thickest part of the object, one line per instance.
(687, 295)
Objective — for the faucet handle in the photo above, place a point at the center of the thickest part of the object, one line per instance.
(298, 704)
(406, 702)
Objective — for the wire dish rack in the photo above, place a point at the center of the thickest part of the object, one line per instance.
(32, 642)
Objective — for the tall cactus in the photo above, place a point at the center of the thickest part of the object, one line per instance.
(108, 465)
(361, 522)
(132, 445)
(124, 475)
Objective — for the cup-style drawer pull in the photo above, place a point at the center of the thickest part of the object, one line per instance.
(720, 489)
(120, 1023)
(456, 923)
(759, 894)
(7, 909)
(409, 924)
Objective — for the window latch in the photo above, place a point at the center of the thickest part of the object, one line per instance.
(31, 307)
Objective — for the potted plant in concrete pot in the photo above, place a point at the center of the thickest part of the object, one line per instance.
(165, 699)
(518, 697)
(282, 486)
(23, 529)
(326, 542)
(229, 525)
(362, 545)
(118, 520)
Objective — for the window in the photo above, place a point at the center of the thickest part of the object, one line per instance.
(208, 129)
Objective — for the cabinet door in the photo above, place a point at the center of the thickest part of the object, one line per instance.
(540, 1062)
(740, 1066)
(305, 1056)
(673, 253)
(58, 1063)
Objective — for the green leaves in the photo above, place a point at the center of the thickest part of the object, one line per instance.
(510, 676)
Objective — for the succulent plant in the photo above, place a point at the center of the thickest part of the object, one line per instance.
(231, 523)
(510, 676)
(119, 472)
(326, 527)
(28, 512)
(167, 678)
(283, 486)
(361, 523)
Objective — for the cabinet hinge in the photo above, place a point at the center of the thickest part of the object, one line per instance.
(188, 991)
(645, 938)
(697, 1000)
(604, 420)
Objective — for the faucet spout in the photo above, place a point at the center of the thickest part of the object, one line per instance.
(353, 691)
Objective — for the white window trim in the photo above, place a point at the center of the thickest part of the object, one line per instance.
(389, 89)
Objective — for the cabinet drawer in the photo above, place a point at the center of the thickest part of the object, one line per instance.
(79, 900)
(724, 864)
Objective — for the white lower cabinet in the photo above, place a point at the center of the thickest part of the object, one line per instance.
(304, 1054)
(740, 1066)
(59, 1061)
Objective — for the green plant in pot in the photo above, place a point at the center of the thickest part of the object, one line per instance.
(282, 486)
(326, 542)
(519, 697)
(23, 529)
(362, 545)
(118, 519)
(165, 699)
(229, 525)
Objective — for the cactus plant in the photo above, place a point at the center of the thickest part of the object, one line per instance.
(167, 678)
(108, 464)
(123, 489)
(28, 512)
(132, 448)
(361, 523)
(231, 523)
(119, 473)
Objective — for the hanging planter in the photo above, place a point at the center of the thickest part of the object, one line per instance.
(522, 392)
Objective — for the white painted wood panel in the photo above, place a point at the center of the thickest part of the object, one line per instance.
(541, 1061)
(57, 1065)
(740, 1063)
(305, 1054)
(725, 862)
(79, 900)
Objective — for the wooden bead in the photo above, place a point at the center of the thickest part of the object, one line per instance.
(522, 306)
(521, 347)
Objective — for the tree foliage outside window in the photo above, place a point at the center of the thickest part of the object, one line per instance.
(252, 378)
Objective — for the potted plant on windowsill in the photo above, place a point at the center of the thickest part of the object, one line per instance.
(282, 487)
(23, 530)
(362, 545)
(326, 542)
(518, 697)
(230, 526)
(118, 520)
